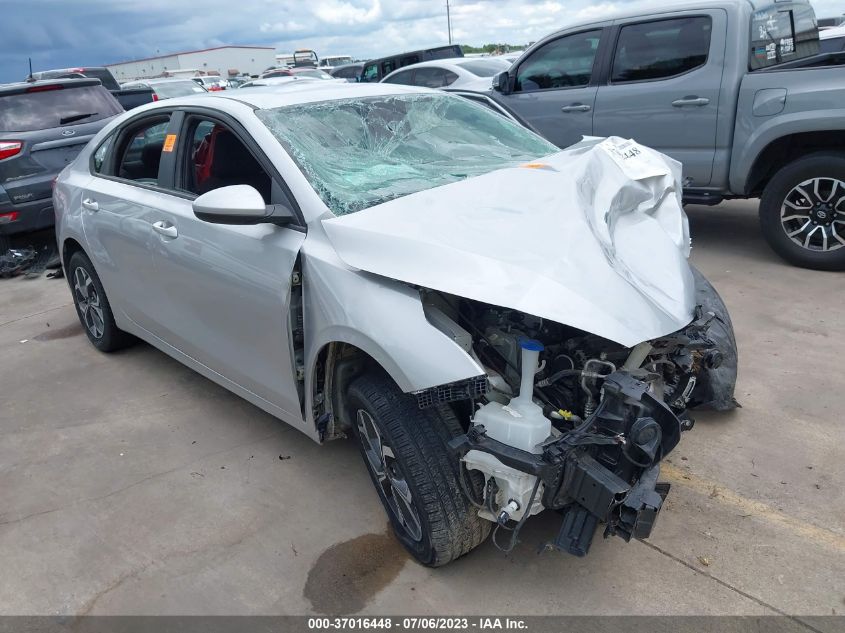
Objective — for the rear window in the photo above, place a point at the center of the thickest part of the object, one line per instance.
(783, 33)
(48, 109)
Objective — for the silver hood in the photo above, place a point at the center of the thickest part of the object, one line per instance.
(593, 237)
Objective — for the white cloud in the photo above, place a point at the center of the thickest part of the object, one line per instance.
(335, 12)
(61, 33)
(291, 26)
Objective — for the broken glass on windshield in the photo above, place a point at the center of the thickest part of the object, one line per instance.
(360, 152)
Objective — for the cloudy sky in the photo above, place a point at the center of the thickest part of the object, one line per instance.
(62, 33)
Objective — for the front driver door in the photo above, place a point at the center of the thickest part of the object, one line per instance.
(555, 89)
(224, 291)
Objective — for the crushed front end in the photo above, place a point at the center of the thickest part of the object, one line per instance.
(569, 421)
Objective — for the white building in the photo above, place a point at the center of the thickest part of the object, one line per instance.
(222, 60)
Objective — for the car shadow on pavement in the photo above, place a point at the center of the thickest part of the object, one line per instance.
(731, 229)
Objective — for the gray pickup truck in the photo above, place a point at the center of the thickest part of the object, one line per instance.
(736, 91)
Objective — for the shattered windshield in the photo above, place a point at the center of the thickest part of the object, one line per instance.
(360, 152)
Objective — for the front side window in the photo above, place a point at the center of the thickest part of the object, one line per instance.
(662, 49)
(566, 62)
(218, 158)
(140, 152)
(357, 153)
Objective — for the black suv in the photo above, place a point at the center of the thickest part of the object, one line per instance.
(377, 69)
(43, 126)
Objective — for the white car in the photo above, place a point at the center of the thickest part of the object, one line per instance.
(458, 72)
(286, 80)
(502, 326)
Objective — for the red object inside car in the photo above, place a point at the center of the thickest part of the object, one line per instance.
(204, 155)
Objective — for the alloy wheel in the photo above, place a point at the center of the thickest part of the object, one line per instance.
(382, 463)
(88, 301)
(813, 214)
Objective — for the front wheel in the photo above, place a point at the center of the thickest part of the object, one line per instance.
(802, 212)
(415, 475)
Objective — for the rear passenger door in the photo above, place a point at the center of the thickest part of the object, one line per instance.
(555, 87)
(663, 85)
(127, 189)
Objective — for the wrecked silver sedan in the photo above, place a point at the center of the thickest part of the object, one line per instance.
(504, 328)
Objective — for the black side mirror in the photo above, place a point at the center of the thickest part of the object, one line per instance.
(502, 82)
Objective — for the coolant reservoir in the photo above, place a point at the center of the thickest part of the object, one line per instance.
(521, 422)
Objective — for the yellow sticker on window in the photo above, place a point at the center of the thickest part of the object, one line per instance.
(169, 142)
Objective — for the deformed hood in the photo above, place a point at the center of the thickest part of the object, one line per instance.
(593, 237)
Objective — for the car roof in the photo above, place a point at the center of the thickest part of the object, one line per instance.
(670, 6)
(21, 87)
(267, 97)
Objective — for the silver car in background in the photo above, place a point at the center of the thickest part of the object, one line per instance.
(503, 327)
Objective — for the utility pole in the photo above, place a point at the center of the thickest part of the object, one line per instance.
(449, 21)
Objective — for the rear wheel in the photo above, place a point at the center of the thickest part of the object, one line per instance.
(92, 306)
(415, 475)
(802, 212)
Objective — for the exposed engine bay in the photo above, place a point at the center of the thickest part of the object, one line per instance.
(567, 421)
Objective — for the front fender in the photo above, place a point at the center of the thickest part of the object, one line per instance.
(382, 317)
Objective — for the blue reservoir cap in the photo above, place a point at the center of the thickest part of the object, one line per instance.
(531, 345)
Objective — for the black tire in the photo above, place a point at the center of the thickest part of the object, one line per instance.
(449, 525)
(819, 165)
(99, 325)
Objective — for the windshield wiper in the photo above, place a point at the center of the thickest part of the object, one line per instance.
(76, 117)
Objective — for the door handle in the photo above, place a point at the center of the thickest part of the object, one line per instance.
(576, 107)
(163, 228)
(90, 204)
(690, 101)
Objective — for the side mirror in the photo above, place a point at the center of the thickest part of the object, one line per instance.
(502, 82)
(238, 204)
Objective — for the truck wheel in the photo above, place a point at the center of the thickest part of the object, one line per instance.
(802, 212)
(415, 475)
(93, 307)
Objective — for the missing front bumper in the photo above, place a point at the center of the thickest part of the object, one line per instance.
(603, 472)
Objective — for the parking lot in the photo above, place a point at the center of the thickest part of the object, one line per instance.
(131, 485)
